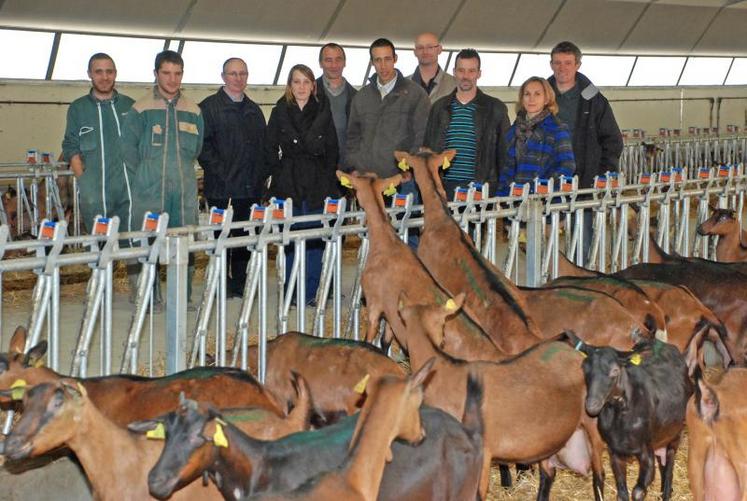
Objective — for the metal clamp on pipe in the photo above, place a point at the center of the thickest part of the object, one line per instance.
(215, 287)
(98, 297)
(155, 224)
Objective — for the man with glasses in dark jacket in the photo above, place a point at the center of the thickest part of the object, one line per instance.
(232, 157)
(597, 141)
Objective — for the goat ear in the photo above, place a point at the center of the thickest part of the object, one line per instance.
(345, 179)
(576, 342)
(36, 354)
(144, 425)
(403, 301)
(386, 184)
(706, 401)
(455, 304)
(74, 388)
(418, 379)
(18, 341)
(446, 155)
(693, 353)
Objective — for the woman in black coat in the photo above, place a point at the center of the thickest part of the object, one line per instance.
(302, 155)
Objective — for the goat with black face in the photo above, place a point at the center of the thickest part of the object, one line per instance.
(640, 398)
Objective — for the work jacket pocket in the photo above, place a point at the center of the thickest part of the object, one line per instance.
(87, 139)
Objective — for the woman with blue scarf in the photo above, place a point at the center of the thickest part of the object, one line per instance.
(539, 145)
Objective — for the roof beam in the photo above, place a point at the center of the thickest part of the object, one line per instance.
(549, 23)
(453, 17)
(184, 19)
(635, 23)
(332, 19)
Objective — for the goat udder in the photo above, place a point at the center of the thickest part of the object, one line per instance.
(721, 483)
(575, 454)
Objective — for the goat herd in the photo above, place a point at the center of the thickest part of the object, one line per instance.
(551, 376)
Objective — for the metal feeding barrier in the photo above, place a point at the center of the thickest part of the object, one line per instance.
(546, 217)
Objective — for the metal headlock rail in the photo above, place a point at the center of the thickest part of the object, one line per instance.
(548, 216)
(36, 182)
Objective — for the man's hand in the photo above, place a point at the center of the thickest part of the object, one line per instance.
(77, 165)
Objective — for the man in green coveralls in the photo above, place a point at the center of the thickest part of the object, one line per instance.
(161, 139)
(91, 146)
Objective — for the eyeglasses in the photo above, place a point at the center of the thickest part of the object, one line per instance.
(423, 48)
(237, 74)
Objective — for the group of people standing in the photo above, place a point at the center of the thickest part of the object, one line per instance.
(133, 157)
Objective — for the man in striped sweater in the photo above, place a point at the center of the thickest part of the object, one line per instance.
(471, 122)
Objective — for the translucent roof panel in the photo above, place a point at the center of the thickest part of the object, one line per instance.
(133, 56)
(738, 72)
(607, 71)
(531, 65)
(26, 53)
(203, 61)
(298, 54)
(651, 71)
(496, 68)
(705, 71)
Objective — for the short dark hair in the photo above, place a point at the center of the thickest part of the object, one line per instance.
(381, 42)
(468, 54)
(99, 56)
(331, 45)
(168, 56)
(231, 60)
(567, 47)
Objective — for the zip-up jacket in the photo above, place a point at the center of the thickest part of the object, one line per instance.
(597, 141)
(160, 142)
(379, 127)
(232, 152)
(491, 125)
(93, 131)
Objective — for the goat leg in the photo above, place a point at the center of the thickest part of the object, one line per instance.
(666, 470)
(646, 472)
(547, 476)
(619, 469)
(505, 476)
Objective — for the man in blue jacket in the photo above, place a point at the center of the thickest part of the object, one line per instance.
(91, 146)
(232, 157)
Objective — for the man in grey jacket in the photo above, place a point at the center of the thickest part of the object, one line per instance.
(429, 74)
(387, 114)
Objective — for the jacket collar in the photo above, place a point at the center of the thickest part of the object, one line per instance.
(158, 96)
(372, 80)
(588, 89)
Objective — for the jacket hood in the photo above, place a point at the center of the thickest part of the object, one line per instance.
(588, 89)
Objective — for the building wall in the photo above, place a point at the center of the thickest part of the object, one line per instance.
(32, 113)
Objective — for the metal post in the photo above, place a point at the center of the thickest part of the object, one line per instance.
(535, 221)
(176, 302)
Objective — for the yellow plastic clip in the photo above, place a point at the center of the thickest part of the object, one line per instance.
(17, 389)
(39, 363)
(446, 163)
(390, 190)
(636, 359)
(450, 305)
(157, 433)
(345, 181)
(360, 387)
(403, 165)
(219, 438)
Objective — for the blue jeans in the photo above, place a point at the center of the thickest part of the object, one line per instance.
(314, 251)
(413, 237)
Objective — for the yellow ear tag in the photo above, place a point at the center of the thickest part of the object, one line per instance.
(39, 363)
(345, 182)
(158, 433)
(219, 438)
(450, 305)
(636, 359)
(446, 163)
(403, 164)
(18, 388)
(360, 387)
(390, 190)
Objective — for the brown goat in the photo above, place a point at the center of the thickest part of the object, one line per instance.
(392, 267)
(533, 405)
(509, 314)
(124, 399)
(115, 461)
(716, 428)
(724, 223)
(332, 367)
(390, 412)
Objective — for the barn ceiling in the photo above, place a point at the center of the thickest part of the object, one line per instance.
(699, 27)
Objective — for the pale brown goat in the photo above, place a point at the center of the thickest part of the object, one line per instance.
(533, 405)
(392, 267)
(731, 242)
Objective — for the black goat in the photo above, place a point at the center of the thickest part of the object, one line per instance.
(640, 398)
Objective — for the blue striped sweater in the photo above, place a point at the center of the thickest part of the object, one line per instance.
(548, 154)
